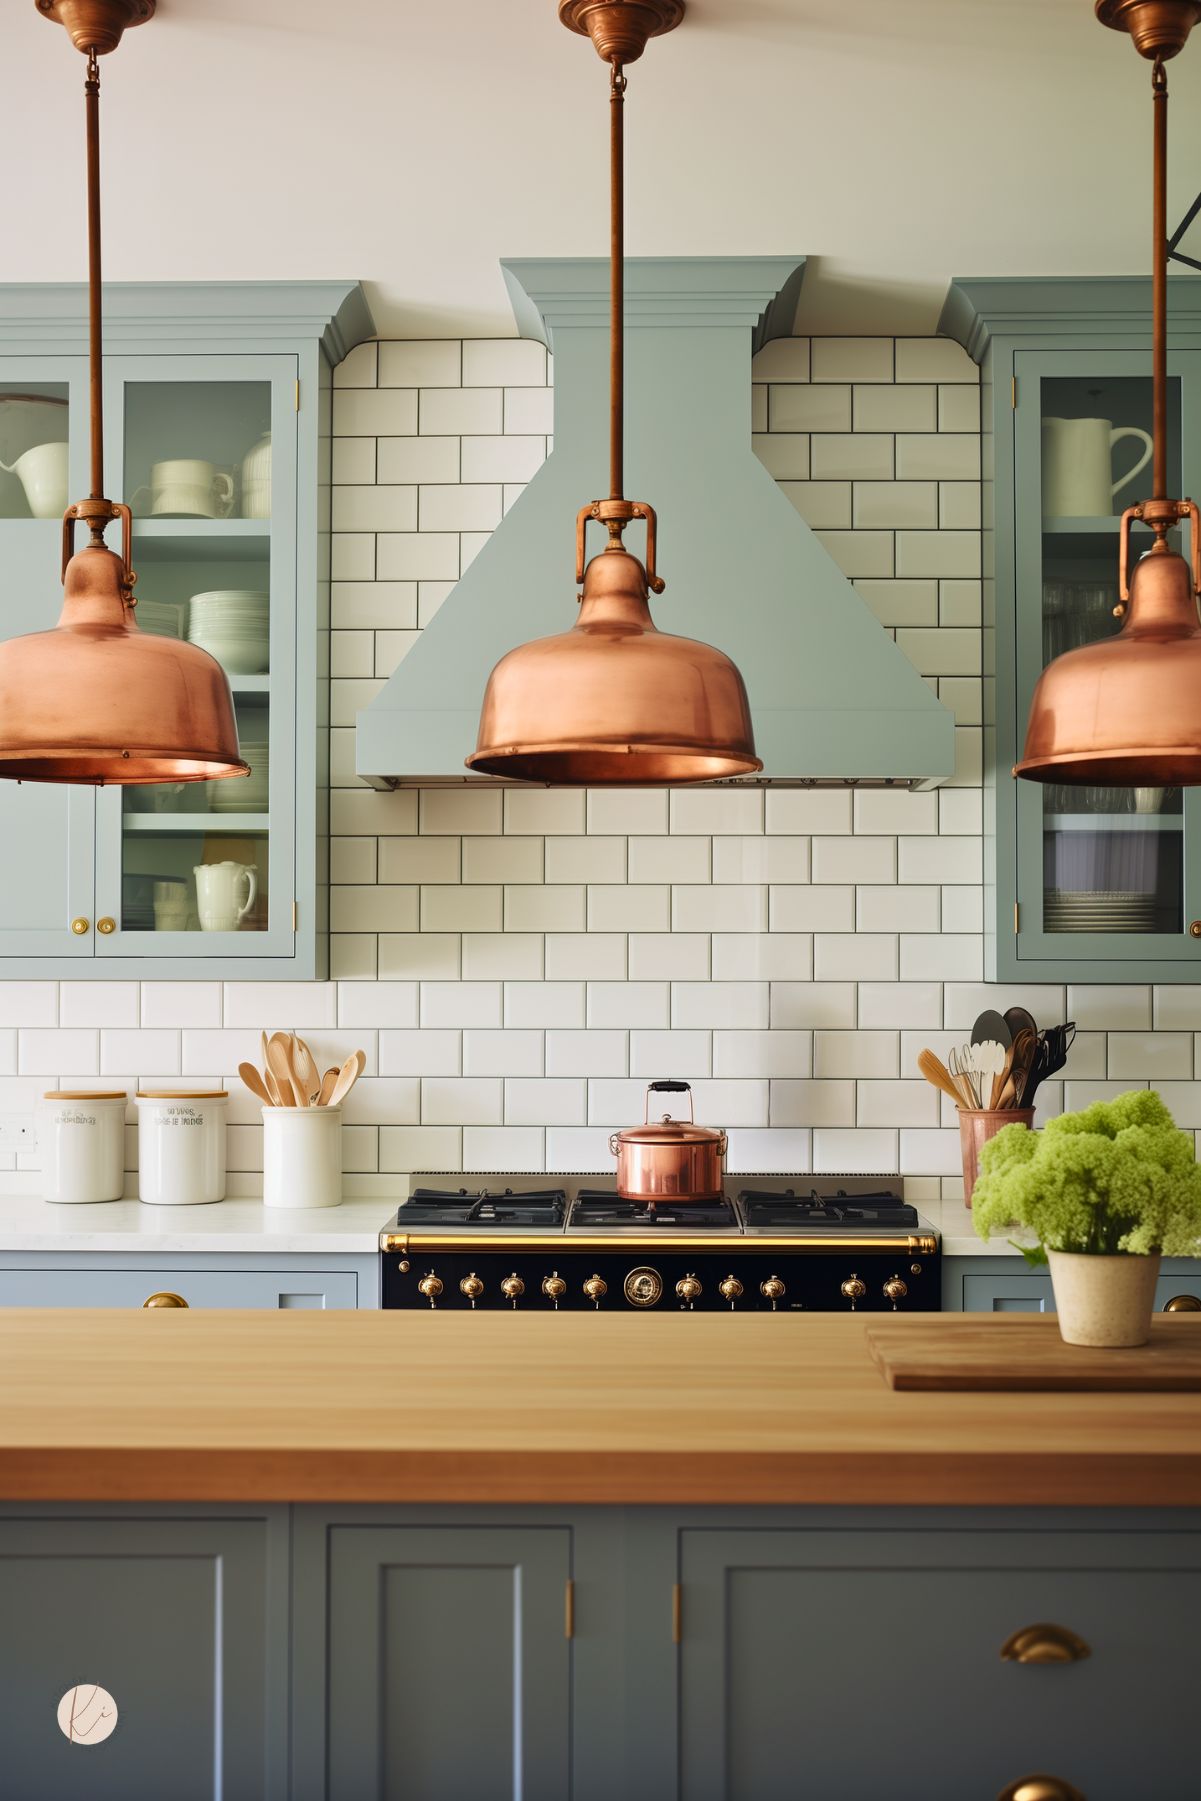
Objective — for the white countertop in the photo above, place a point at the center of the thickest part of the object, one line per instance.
(247, 1226)
(954, 1221)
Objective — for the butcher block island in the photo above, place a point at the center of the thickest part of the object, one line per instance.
(347, 1555)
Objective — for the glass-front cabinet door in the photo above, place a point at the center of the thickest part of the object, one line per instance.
(205, 448)
(1105, 874)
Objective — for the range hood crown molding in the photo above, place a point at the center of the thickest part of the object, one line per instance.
(832, 698)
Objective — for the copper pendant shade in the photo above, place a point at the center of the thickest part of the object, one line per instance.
(614, 701)
(96, 700)
(1127, 710)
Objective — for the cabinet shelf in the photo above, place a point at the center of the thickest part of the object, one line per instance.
(201, 540)
(1113, 822)
(195, 822)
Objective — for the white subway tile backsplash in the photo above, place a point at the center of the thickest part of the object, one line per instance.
(709, 811)
(574, 1148)
(413, 1052)
(732, 1103)
(561, 908)
(645, 908)
(597, 859)
(774, 1053)
(896, 1104)
(150, 1053)
(502, 859)
(862, 1151)
(1149, 1056)
(848, 1053)
(665, 859)
(510, 363)
(408, 1148)
(1178, 1007)
(477, 909)
(812, 1004)
(462, 1100)
(900, 1004)
(616, 1102)
(669, 956)
(424, 363)
(777, 1152)
(460, 811)
(96, 1004)
(1109, 1007)
(807, 810)
(712, 1004)
(419, 956)
(461, 1004)
(858, 957)
(503, 956)
(731, 907)
(180, 1004)
(822, 909)
(590, 956)
(503, 1147)
(760, 859)
(593, 1052)
(761, 957)
(851, 359)
(626, 1004)
(54, 1052)
(544, 1004)
(28, 1003)
(813, 1103)
(902, 909)
(537, 1102)
(503, 1053)
(941, 956)
(626, 810)
(660, 1055)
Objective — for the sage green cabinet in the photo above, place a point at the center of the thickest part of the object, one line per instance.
(103, 882)
(1083, 883)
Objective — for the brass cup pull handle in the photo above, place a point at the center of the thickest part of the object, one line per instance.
(1044, 1643)
(1183, 1303)
(164, 1299)
(1040, 1788)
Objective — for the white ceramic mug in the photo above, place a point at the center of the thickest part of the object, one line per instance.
(217, 886)
(1078, 466)
(42, 472)
(170, 907)
(191, 487)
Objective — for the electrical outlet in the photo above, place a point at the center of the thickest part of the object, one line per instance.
(17, 1132)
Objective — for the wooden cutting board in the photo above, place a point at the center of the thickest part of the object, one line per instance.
(1027, 1354)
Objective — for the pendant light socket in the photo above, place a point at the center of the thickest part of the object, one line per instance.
(1159, 28)
(96, 24)
(620, 28)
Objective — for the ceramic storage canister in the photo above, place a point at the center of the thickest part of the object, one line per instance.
(181, 1146)
(81, 1146)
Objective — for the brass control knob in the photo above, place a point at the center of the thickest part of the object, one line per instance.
(772, 1290)
(164, 1299)
(596, 1288)
(1040, 1788)
(895, 1290)
(431, 1287)
(688, 1288)
(730, 1289)
(853, 1289)
(1183, 1303)
(513, 1288)
(554, 1287)
(472, 1287)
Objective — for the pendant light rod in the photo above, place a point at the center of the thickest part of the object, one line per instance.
(91, 88)
(617, 255)
(1159, 283)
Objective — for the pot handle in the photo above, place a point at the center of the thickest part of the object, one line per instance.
(668, 1087)
(613, 1144)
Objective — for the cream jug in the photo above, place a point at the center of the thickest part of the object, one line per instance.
(256, 480)
(42, 472)
(217, 894)
(1078, 466)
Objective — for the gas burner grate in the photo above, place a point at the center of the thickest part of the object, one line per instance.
(771, 1209)
(464, 1207)
(597, 1208)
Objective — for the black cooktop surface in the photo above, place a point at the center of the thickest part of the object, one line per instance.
(600, 1209)
(480, 1207)
(771, 1211)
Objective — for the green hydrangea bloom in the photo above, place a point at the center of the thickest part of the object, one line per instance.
(1117, 1176)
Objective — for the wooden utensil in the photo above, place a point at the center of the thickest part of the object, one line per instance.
(348, 1075)
(1001, 1080)
(938, 1075)
(254, 1081)
(305, 1065)
(279, 1062)
(327, 1087)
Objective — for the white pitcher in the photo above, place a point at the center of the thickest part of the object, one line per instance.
(42, 472)
(217, 886)
(1078, 466)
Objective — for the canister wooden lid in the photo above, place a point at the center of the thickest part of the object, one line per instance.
(182, 1094)
(85, 1094)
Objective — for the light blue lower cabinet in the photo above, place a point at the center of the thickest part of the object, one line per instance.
(717, 1654)
(160, 1642)
(118, 1279)
(1008, 1285)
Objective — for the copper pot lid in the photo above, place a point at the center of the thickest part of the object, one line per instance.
(665, 1129)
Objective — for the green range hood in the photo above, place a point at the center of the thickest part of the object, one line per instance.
(832, 698)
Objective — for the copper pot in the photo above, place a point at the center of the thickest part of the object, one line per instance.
(668, 1159)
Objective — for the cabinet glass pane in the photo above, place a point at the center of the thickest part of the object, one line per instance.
(33, 450)
(1112, 857)
(198, 450)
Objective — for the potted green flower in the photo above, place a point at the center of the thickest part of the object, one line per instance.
(1105, 1192)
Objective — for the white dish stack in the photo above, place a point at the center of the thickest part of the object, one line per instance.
(251, 795)
(233, 625)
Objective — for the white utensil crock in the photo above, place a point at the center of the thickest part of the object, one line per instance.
(42, 472)
(1078, 466)
(81, 1145)
(181, 1147)
(1103, 1300)
(302, 1156)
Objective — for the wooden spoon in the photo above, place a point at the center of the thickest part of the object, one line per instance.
(1001, 1080)
(937, 1073)
(255, 1083)
(348, 1075)
(327, 1087)
(279, 1062)
(305, 1065)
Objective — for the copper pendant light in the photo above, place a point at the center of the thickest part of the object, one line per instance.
(614, 701)
(96, 700)
(1127, 710)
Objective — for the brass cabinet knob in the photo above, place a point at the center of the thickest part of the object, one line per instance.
(853, 1289)
(1194, 930)
(688, 1288)
(1040, 1788)
(554, 1287)
(513, 1288)
(431, 1287)
(164, 1299)
(895, 1290)
(80, 926)
(596, 1288)
(772, 1290)
(472, 1287)
(730, 1289)
(106, 926)
(1044, 1643)
(1183, 1303)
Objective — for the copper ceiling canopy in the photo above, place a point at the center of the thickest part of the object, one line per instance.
(95, 700)
(1127, 710)
(615, 701)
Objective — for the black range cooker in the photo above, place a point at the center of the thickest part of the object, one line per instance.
(770, 1244)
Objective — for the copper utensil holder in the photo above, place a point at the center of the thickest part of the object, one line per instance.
(976, 1127)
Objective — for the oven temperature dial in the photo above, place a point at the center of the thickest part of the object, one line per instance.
(853, 1289)
(688, 1289)
(472, 1287)
(772, 1290)
(596, 1288)
(513, 1288)
(643, 1286)
(729, 1289)
(554, 1288)
(431, 1287)
(895, 1290)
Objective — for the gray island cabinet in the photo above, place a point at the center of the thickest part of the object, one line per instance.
(358, 1557)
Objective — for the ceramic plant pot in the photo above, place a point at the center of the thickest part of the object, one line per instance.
(1103, 1300)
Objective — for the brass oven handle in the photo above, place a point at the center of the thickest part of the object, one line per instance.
(1183, 1303)
(1044, 1643)
(164, 1299)
(1040, 1788)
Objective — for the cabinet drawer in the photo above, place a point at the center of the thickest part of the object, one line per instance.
(1026, 1291)
(772, 1620)
(54, 1287)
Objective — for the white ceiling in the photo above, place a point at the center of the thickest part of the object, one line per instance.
(896, 142)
